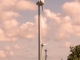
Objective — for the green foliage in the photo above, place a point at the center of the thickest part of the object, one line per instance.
(75, 53)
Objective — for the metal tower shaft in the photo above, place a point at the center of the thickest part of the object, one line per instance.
(39, 3)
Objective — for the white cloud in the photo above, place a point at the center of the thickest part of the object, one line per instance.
(9, 31)
(64, 26)
(11, 28)
(11, 53)
(72, 8)
(58, 27)
(2, 36)
(52, 15)
(27, 30)
(2, 54)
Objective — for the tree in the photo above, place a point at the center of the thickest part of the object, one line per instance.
(75, 53)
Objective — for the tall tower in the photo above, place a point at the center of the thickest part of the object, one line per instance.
(39, 3)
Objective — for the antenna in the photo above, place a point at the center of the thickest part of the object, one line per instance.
(45, 54)
(44, 44)
(39, 3)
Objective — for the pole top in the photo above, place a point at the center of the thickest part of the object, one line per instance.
(40, 3)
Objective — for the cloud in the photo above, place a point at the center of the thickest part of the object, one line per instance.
(25, 5)
(71, 8)
(10, 29)
(7, 48)
(66, 44)
(17, 5)
(3, 37)
(11, 53)
(8, 15)
(52, 15)
(54, 26)
(2, 54)
(63, 26)
(28, 30)
(60, 26)
(16, 46)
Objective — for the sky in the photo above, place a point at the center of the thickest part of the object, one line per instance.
(60, 28)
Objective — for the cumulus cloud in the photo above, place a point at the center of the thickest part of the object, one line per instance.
(3, 37)
(62, 27)
(10, 28)
(4, 54)
(57, 28)
(52, 15)
(28, 30)
(72, 8)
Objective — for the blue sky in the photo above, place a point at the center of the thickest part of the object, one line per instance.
(60, 28)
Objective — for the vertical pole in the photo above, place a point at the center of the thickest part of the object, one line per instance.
(39, 42)
(39, 3)
(45, 54)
